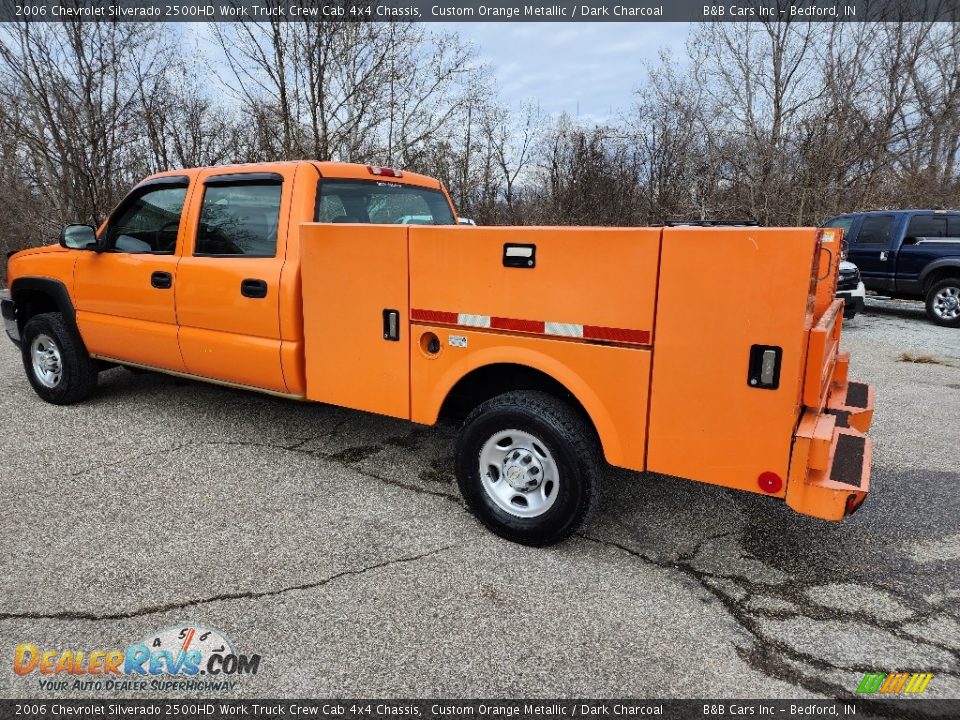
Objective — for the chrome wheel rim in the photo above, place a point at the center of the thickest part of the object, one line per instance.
(946, 303)
(518, 473)
(47, 363)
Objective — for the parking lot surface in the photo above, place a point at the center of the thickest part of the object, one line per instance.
(334, 544)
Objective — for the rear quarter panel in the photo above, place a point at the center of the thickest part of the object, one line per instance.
(915, 262)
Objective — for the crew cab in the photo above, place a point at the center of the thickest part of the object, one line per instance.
(556, 350)
(908, 254)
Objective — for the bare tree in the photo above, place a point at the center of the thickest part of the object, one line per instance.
(348, 91)
(70, 93)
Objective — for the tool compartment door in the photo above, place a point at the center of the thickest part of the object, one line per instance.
(722, 292)
(604, 278)
(351, 274)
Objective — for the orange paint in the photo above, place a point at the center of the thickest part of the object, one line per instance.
(650, 330)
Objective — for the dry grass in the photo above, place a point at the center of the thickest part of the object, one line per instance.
(919, 359)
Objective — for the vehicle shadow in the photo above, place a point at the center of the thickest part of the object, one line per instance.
(896, 308)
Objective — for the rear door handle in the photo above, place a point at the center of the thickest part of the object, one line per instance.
(253, 288)
(161, 280)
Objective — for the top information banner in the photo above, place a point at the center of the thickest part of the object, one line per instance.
(480, 11)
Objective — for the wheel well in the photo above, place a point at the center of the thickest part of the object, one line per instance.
(940, 274)
(32, 302)
(480, 385)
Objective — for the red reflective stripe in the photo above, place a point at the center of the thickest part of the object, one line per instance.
(590, 332)
(531, 326)
(620, 335)
(435, 316)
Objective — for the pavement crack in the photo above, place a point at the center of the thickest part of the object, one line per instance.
(408, 486)
(222, 597)
(770, 655)
(349, 457)
(128, 458)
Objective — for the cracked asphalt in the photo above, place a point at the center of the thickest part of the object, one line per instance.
(334, 544)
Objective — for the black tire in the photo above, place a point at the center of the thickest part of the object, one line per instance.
(934, 311)
(78, 376)
(566, 437)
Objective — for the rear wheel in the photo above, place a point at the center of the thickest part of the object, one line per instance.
(943, 302)
(528, 467)
(57, 365)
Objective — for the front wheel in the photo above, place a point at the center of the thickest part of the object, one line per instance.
(57, 365)
(943, 302)
(528, 467)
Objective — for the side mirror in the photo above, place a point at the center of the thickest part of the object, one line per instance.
(79, 237)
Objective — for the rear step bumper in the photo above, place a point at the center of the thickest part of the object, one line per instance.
(830, 464)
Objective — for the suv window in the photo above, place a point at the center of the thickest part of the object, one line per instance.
(149, 223)
(875, 230)
(927, 226)
(385, 203)
(239, 220)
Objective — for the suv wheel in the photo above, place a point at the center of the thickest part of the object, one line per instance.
(528, 467)
(943, 302)
(57, 365)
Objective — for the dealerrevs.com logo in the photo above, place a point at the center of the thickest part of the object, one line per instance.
(186, 657)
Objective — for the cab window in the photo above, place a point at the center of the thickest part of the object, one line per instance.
(875, 230)
(148, 223)
(239, 219)
(844, 223)
(927, 226)
(384, 203)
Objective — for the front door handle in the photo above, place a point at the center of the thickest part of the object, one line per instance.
(883, 255)
(253, 288)
(161, 280)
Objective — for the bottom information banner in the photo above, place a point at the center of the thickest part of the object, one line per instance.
(454, 709)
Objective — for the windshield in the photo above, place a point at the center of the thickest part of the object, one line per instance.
(376, 201)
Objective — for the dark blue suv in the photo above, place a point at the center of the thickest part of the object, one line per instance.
(910, 254)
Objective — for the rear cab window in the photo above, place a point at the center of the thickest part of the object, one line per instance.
(927, 225)
(845, 224)
(380, 202)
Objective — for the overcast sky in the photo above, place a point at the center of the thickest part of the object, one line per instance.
(588, 70)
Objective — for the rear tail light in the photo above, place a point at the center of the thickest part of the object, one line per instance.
(384, 171)
(853, 503)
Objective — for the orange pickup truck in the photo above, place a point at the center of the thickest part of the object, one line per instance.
(556, 349)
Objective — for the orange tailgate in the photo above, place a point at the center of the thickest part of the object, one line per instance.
(831, 456)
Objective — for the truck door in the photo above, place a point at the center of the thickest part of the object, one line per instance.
(873, 250)
(125, 295)
(228, 287)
